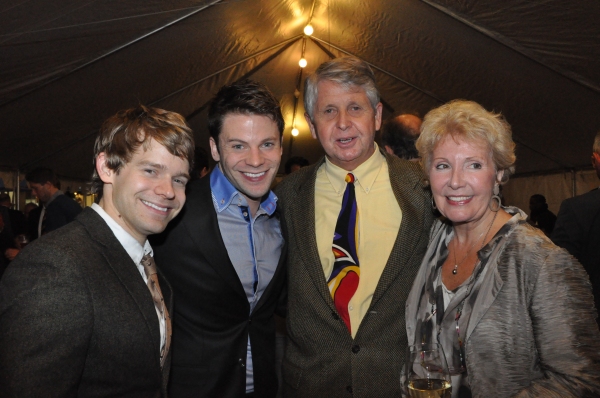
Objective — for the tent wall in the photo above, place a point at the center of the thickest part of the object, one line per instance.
(555, 187)
(9, 177)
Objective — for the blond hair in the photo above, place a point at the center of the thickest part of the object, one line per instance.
(471, 122)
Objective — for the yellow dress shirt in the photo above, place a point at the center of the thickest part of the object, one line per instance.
(378, 224)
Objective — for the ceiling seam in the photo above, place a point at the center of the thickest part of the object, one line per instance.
(244, 76)
(283, 43)
(428, 93)
(17, 34)
(10, 36)
(511, 44)
(111, 52)
(289, 42)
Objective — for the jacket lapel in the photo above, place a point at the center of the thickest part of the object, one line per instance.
(303, 228)
(200, 219)
(490, 287)
(126, 271)
(406, 189)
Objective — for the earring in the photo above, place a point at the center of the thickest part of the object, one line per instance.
(495, 197)
(433, 206)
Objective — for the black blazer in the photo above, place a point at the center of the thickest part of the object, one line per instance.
(577, 229)
(211, 319)
(77, 319)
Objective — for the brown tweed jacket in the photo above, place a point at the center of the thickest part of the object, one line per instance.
(322, 359)
(77, 319)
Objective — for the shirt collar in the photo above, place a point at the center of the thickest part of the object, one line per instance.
(365, 174)
(129, 243)
(224, 194)
(56, 194)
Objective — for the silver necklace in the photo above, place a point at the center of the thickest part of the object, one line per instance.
(456, 264)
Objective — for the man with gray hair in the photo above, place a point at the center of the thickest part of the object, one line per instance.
(577, 228)
(351, 264)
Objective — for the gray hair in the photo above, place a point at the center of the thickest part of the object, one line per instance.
(346, 71)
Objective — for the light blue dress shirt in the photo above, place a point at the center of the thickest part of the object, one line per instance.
(254, 244)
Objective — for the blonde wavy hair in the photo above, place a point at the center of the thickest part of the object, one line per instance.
(471, 122)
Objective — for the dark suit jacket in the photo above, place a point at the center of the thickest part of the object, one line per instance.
(321, 358)
(577, 229)
(77, 319)
(61, 211)
(212, 320)
(6, 238)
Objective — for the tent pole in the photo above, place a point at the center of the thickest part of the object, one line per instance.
(18, 189)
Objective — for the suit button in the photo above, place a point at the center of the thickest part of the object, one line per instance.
(242, 364)
(355, 349)
(349, 389)
(335, 316)
(250, 320)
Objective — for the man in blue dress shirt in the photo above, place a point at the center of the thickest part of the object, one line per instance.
(223, 255)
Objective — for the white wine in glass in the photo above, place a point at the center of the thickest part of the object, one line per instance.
(426, 372)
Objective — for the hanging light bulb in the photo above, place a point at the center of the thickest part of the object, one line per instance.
(302, 62)
(308, 30)
(295, 132)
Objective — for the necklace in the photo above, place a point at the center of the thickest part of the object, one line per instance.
(456, 264)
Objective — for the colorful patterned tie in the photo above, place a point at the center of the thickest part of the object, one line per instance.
(344, 277)
(159, 302)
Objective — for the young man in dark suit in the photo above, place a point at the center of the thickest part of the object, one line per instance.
(82, 311)
(223, 255)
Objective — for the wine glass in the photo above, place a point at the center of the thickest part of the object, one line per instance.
(426, 372)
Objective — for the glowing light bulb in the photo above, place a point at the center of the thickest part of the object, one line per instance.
(308, 30)
(302, 62)
(295, 132)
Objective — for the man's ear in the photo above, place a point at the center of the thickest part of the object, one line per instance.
(105, 173)
(378, 116)
(214, 150)
(281, 146)
(311, 126)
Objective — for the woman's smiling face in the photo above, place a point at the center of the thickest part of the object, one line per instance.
(462, 176)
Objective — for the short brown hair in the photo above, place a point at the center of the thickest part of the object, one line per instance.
(122, 134)
(245, 97)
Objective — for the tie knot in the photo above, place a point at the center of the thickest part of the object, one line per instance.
(149, 265)
(350, 178)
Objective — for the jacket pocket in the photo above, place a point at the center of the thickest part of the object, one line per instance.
(291, 374)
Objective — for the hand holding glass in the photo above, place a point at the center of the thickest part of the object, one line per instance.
(426, 372)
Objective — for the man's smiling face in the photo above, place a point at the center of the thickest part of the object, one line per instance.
(147, 192)
(249, 153)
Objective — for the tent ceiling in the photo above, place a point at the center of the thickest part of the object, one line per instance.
(67, 65)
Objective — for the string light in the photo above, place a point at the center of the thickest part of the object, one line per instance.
(302, 62)
(295, 132)
(308, 30)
